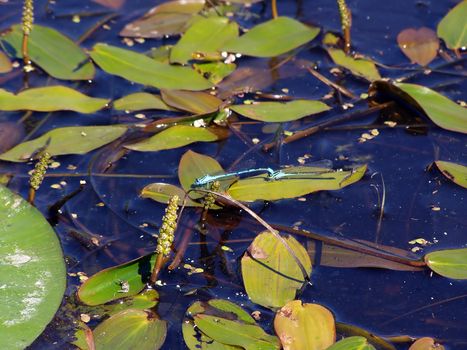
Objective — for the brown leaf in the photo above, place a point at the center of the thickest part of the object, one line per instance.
(112, 4)
(420, 45)
(426, 344)
(10, 135)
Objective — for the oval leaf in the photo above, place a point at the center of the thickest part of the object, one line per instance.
(215, 72)
(457, 173)
(270, 273)
(191, 101)
(131, 329)
(360, 67)
(314, 179)
(50, 99)
(419, 45)
(426, 344)
(272, 38)
(194, 165)
(162, 192)
(453, 27)
(174, 137)
(451, 263)
(32, 272)
(141, 69)
(305, 326)
(106, 285)
(204, 38)
(140, 101)
(352, 343)
(69, 140)
(55, 53)
(280, 111)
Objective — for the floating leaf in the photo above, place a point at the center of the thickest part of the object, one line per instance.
(140, 101)
(360, 67)
(270, 273)
(280, 111)
(349, 330)
(55, 53)
(174, 137)
(106, 285)
(141, 69)
(5, 64)
(305, 326)
(32, 272)
(84, 339)
(453, 27)
(112, 4)
(145, 300)
(420, 45)
(131, 329)
(191, 101)
(68, 140)
(272, 38)
(450, 263)
(426, 344)
(457, 173)
(215, 72)
(162, 192)
(166, 19)
(50, 99)
(352, 343)
(314, 179)
(204, 38)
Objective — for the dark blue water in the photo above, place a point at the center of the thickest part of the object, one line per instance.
(381, 301)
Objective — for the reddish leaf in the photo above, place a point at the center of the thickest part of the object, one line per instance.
(420, 45)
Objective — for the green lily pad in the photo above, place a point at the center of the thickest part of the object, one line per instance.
(162, 192)
(215, 72)
(280, 111)
(457, 173)
(360, 67)
(141, 69)
(108, 284)
(68, 140)
(313, 179)
(5, 63)
(55, 53)
(450, 263)
(305, 326)
(168, 18)
(32, 272)
(352, 343)
(140, 101)
(131, 329)
(50, 99)
(174, 137)
(204, 38)
(191, 101)
(442, 111)
(453, 27)
(270, 273)
(272, 38)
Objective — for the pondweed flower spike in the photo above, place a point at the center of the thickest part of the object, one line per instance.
(209, 200)
(37, 175)
(166, 236)
(346, 22)
(28, 19)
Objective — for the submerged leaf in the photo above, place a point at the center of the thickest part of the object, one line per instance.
(168, 18)
(352, 343)
(113, 4)
(305, 326)
(192, 101)
(360, 67)
(32, 272)
(420, 45)
(55, 53)
(131, 329)
(280, 111)
(272, 38)
(117, 282)
(453, 27)
(270, 273)
(140, 101)
(457, 173)
(302, 180)
(50, 99)
(162, 192)
(450, 263)
(141, 69)
(204, 38)
(68, 140)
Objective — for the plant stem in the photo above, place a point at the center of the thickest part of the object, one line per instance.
(275, 14)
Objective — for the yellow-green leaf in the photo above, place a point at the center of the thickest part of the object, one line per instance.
(453, 27)
(451, 263)
(68, 140)
(5, 64)
(280, 111)
(50, 99)
(352, 343)
(360, 67)
(215, 72)
(191, 101)
(162, 192)
(140, 101)
(457, 173)
(305, 326)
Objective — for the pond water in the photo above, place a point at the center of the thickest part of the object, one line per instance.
(419, 202)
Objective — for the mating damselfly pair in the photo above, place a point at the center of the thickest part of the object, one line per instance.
(272, 175)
